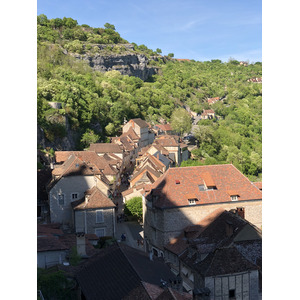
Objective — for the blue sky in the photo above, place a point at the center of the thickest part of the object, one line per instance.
(192, 29)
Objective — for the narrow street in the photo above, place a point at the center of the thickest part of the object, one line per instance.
(133, 231)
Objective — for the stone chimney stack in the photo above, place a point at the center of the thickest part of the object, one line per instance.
(80, 243)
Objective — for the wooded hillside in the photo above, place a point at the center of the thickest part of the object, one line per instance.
(95, 104)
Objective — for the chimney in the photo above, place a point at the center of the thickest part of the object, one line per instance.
(80, 243)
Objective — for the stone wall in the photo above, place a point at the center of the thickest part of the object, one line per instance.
(67, 186)
(245, 286)
(163, 225)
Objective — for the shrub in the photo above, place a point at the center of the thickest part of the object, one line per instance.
(134, 207)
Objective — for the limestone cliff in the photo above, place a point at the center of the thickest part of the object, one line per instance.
(127, 63)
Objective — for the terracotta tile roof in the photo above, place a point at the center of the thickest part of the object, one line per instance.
(141, 123)
(50, 243)
(106, 148)
(225, 177)
(155, 163)
(132, 134)
(166, 141)
(75, 166)
(164, 127)
(213, 100)
(48, 229)
(90, 158)
(151, 173)
(62, 156)
(127, 143)
(55, 241)
(258, 185)
(70, 241)
(161, 149)
(144, 150)
(95, 199)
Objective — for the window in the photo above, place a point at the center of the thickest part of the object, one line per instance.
(61, 199)
(74, 196)
(231, 294)
(99, 216)
(212, 187)
(192, 201)
(234, 198)
(100, 232)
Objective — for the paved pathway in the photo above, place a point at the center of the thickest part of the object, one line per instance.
(133, 230)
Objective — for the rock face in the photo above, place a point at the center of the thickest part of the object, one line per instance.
(127, 64)
(66, 143)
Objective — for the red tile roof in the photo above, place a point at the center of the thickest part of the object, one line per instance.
(258, 185)
(96, 199)
(75, 166)
(141, 123)
(106, 148)
(164, 127)
(166, 141)
(225, 177)
(91, 158)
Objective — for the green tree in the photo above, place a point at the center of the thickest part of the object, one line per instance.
(171, 55)
(158, 51)
(54, 284)
(204, 134)
(134, 207)
(181, 121)
(89, 137)
(110, 129)
(42, 20)
(109, 26)
(69, 22)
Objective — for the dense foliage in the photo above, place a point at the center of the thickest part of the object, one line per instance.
(55, 285)
(96, 104)
(134, 207)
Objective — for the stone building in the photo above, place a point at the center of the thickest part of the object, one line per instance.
(204, 244)
(94, 214)
(142, 129)
(183, 196)
(69, 183)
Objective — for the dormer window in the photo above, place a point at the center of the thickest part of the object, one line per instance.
(234, 198)
(234, 195)
(192, 201)
(177, 181)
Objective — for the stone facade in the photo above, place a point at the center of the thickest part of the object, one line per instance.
(50, 258)
(162, 225)
(61, 210)
(86, 221)
(244, 286)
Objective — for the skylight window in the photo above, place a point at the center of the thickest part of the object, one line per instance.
(201, 187)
